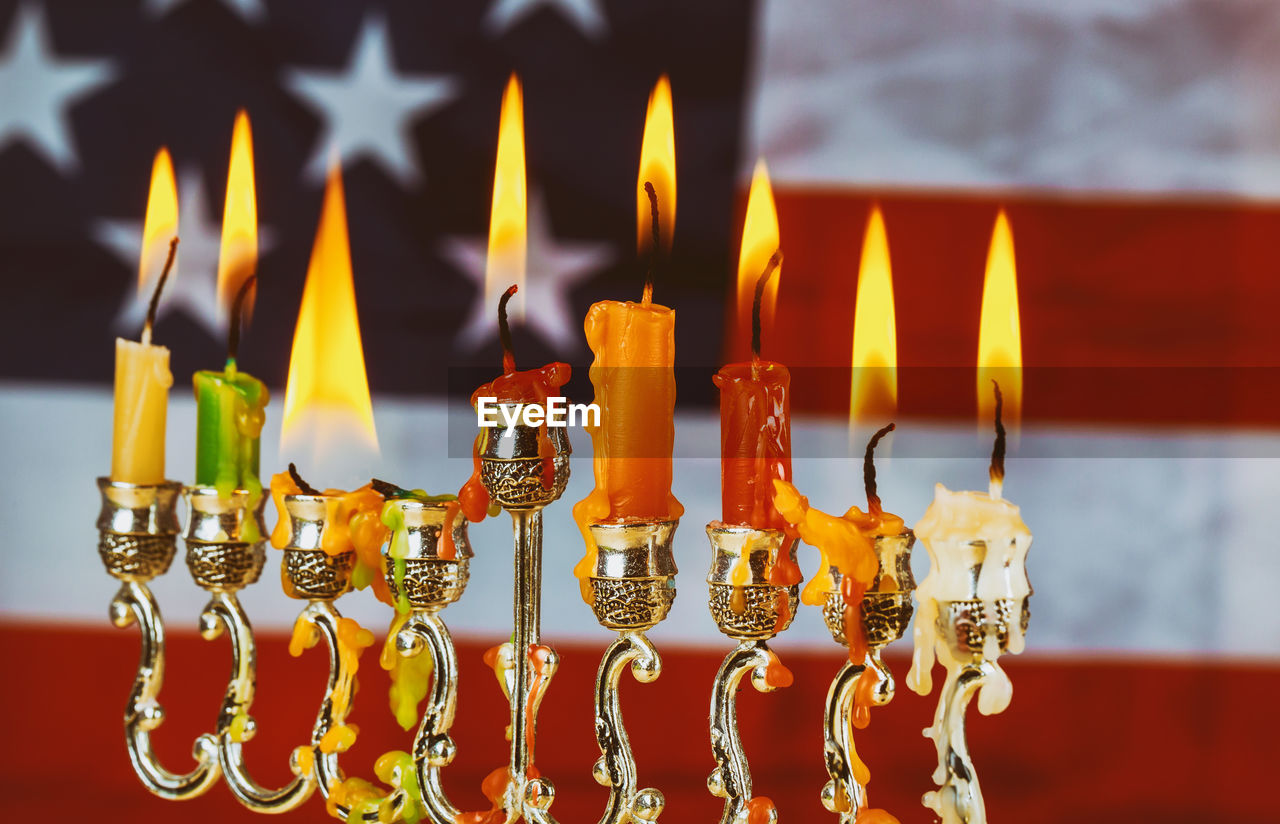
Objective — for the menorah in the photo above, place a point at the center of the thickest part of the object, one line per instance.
(632, 588)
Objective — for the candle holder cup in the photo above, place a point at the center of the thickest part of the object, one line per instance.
(137, 538)
(750, 609)
(524, 469)
(884, 614)
(632, 588)
(425, 581)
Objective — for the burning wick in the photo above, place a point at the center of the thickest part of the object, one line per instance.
(647, 297)
(155, 295)
(237, 308)
(504, 331)
(869, 471)
(303, 487)
(774, 262)
(997, 450)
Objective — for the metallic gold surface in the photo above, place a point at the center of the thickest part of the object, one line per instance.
(885, 613)
(731, 779)
(137, 528)
(430, 581)
(634, 586)
(224, 538)
(433, 749)
(513, 467)
(751, 608)
(308, 571)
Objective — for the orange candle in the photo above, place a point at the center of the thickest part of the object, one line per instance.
(755, 441)
(634, 378)
(532, 386)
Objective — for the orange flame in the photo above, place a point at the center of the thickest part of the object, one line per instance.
(160, 225)
(326, 367)
(658, 166)
(1000, 332)
(507, 220)
(238, 255)
(759, 242)
(874, 391)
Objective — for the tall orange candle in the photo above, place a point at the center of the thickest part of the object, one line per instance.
(634, 378)
(755, 430)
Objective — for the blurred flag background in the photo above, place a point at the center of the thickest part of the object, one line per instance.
(1134, 144)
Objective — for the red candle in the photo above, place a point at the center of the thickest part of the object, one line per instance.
(755, 430)
(513, 386)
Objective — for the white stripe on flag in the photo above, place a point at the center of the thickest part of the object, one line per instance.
(1119, 96)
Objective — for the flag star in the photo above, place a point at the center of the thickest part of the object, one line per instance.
(585, 14)
(553, 268)
(192, 287)
(36, 88)
(369, 109)
(249, 10)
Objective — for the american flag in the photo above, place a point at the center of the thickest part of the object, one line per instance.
(1133, 143)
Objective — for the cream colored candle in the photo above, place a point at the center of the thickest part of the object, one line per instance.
(141, 403)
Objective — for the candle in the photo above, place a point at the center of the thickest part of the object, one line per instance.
(847, 543)
(635, 389)
(141, 399)
(755, 431)
(229, 415)
(531, 386)
(951, 527)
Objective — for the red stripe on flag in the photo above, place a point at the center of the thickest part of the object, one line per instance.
(1136, 286)
(1106, 742)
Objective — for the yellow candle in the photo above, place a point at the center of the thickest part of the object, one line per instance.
(141, 402)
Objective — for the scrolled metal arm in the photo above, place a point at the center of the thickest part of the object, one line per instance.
(235, 725)
(616, 768)
(846, 792)
(143, 713)
(958, 797)
(731, 779)
(433, 750)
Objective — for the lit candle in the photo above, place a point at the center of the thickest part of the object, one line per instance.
(633, 371)
(231, 404)
(755, 404)
(142, 369)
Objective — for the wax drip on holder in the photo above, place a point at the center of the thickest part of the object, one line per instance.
(973, 606)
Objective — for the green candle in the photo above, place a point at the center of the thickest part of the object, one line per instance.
(231, 408)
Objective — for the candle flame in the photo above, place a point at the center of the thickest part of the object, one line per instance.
(160, 225)
(238, 255)
(327, 375)
(658, 166)
(874, 390)
(1000, 333)
(507, 220)
(759, 242)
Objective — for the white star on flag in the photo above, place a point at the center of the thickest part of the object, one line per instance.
(36, 88)
(192, 287)
(249, 10)
(368, 109)
(585, 14)
(553, 268)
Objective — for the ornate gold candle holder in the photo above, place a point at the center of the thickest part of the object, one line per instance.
(429, 582)
(522, 479)
(137, 539)
(632, 587)
(968, 634)
(750, 610)
(312, 574)
(885, 613)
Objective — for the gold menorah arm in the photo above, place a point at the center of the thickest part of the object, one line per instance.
(325, 618)
(143, 713)
(616, 767)
(958, 799)
(731, 779)
(235, 725)
(424, 633)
